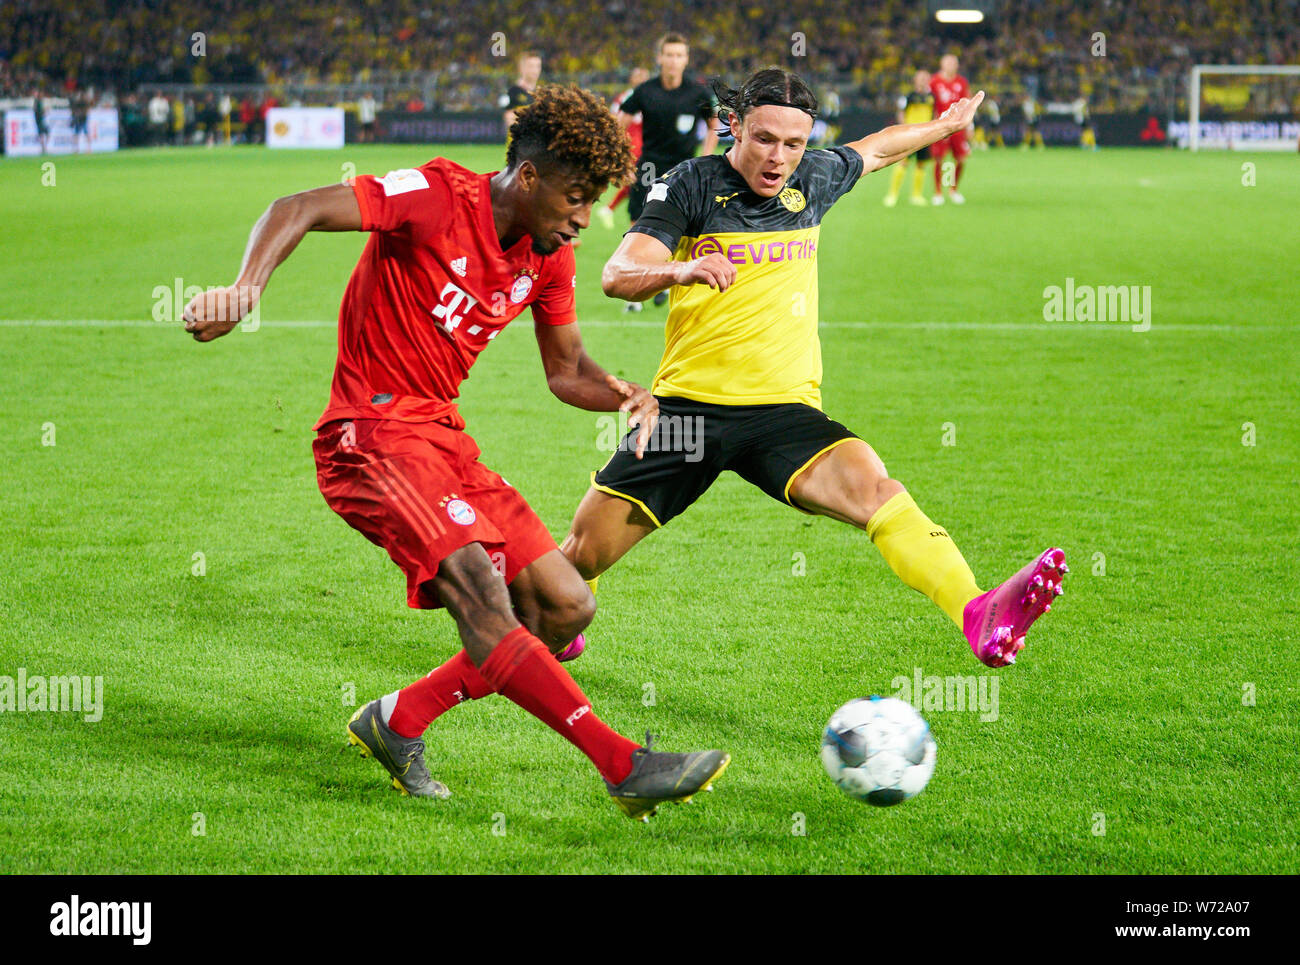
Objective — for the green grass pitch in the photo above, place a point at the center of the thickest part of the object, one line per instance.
(1156, 703)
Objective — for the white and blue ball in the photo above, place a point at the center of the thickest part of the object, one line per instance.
(878, 750)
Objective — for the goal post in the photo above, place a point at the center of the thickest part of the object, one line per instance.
(1252, 129)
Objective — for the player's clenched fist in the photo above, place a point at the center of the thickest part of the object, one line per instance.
(212, 314)
(962, 114)
(712, 270)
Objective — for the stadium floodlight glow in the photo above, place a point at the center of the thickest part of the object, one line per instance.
(959, 16)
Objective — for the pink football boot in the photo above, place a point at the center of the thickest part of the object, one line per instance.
(574, 650)
(995, 622)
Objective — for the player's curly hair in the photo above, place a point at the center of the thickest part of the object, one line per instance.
(572, 130)
(771, 85)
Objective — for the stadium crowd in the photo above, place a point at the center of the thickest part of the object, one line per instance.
(1047, 49)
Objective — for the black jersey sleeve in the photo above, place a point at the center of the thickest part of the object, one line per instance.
(632, 103)
(835, 171)
(516, 97)
(671, 205)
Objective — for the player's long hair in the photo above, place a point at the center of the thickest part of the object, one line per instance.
(572, 130)
(771, 85)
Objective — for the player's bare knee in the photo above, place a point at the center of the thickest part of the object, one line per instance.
(569, 610)
(470, 587)
(884, 490)
(584, 553)
(579, 609)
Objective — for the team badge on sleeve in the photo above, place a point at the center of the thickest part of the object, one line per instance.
(399, 182)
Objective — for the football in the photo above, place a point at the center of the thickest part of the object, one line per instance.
(878, 750)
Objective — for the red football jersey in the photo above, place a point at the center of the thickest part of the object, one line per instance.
(431, 290)
(947, 92)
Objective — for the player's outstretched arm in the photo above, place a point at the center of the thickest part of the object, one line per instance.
(284, 224)
(574, 378)
(897, 142)
(643, 266)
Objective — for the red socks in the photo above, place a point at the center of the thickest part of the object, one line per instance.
(420, 704)
(521, 669)
(956, 175)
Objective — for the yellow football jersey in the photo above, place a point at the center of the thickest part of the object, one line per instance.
(917, 107)
(756, 343)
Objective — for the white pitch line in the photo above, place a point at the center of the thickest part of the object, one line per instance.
(1054, 327)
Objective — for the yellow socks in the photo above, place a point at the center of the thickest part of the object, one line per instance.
(897, 182)
(918, 182)
(591, 584)
(923, 555)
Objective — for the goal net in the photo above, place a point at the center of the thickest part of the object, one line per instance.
(1241, 108)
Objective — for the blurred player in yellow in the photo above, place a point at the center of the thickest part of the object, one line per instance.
(914, 107)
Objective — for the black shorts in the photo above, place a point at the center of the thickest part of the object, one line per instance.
(767, 445)
(923, 155)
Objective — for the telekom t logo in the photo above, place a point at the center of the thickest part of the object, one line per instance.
(447, 309)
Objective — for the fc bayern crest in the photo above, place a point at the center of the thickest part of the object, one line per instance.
(461, 512)
(520, 289)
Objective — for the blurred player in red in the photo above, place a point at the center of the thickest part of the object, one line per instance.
(638, 77)
(453, 256)
(948, 87)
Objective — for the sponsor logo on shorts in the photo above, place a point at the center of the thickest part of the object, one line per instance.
(461, 512)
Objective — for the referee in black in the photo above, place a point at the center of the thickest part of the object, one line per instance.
(671, 107)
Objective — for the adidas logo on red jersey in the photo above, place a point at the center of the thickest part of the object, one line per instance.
(458, 265)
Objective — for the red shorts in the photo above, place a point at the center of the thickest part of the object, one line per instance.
(418, 490)
(956, 142)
